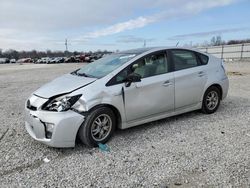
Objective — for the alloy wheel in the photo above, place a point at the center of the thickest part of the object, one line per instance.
(212, 100)
(101, 127)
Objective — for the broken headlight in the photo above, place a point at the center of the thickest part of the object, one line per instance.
(62, 103)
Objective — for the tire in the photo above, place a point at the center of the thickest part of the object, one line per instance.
(211, 100)
(94, 124)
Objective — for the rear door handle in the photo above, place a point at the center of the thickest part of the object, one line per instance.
(201, 74)
(167, 83)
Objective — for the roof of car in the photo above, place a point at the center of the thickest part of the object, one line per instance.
(137, 51)
(148, 49)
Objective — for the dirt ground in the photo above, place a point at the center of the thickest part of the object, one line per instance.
(190, 150)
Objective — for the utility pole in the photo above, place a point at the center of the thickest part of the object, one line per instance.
(144, 45)
(66, 44)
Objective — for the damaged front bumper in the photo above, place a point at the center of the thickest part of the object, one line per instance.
(65, 126)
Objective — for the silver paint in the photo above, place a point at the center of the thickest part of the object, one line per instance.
(151, 99)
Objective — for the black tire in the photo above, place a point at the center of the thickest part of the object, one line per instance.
(85, 132)
(206, 108)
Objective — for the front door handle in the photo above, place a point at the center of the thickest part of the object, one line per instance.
(167, 83)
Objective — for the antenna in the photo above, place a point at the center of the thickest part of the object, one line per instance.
(177, 44)
(66, 44)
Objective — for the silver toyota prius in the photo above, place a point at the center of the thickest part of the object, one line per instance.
(122, 90)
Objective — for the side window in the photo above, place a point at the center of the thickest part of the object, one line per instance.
(203, 58)
(120, 77)
(184, 59)
(151, 65)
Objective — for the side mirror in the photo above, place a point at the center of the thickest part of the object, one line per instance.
(133, 77)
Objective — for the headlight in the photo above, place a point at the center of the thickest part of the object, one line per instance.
(62, 103)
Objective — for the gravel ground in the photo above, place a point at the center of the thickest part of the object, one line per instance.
(189, 150)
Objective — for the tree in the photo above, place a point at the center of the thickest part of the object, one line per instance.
(216, 40)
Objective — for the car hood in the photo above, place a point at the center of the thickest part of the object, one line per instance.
(64, 84)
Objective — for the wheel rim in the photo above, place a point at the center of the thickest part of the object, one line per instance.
(212, 100)
(101, 127)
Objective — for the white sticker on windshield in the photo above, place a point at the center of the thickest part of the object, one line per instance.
(127, 56)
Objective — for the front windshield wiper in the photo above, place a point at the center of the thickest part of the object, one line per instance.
(75, 72)
(82, 74)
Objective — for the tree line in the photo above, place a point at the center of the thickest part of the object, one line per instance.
(217, 40)
(34, 54)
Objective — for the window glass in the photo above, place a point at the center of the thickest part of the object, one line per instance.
(151, 65)
(203, 58)
(105, 65)
(184, 59)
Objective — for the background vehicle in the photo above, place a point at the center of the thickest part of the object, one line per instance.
(56, 60)
(44, 60)
(13, 61)
(25, 60)
(123, 90)
(71, 59)
(38, 61)
(4, 60)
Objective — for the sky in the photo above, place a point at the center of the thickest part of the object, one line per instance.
(90, 25)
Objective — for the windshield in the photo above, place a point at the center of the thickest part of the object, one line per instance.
(104, 66)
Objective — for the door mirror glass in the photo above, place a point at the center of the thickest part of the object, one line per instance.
(133, 77)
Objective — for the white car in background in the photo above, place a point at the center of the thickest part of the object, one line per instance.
(4, 60)
(13, 61)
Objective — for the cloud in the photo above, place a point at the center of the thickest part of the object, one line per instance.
(34, 23)
(61, 14)
(120, 27)
(133, 39)
(187, 8)
(207, 33)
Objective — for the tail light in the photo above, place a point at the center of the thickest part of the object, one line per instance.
(223, 66)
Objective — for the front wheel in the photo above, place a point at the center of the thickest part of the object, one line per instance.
(98, 127)
(211, 100)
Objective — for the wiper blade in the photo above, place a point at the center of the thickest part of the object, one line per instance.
(85, 75)
(75, 72)
(81, 74)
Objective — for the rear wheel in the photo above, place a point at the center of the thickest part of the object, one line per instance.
(211, 100)
(98, 127)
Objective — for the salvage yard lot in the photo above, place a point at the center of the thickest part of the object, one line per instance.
(188, 150)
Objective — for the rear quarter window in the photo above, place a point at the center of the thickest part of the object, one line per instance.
(203, 58)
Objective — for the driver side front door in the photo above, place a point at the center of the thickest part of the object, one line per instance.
(154, 95)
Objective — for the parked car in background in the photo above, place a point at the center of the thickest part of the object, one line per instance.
(25, 60)
(57, 60)
(13, 61)
(49, 60)
(4, 60)
(38, 61)
(80, 58)
(71, 59)
(44, 60)
(123, 90)
(87, 59)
